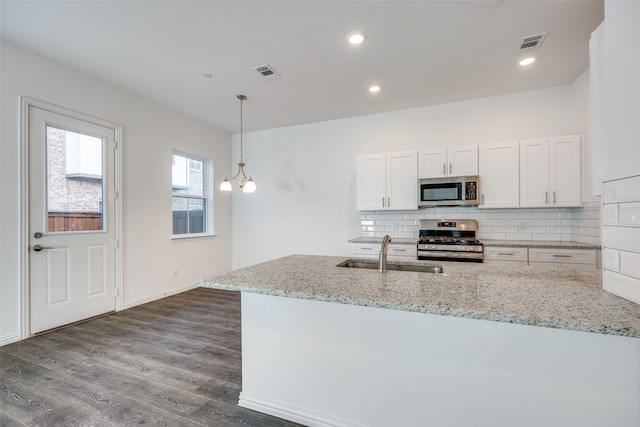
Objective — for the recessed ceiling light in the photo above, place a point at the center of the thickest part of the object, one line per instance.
(527, 60)
(375, 88)
(207, 75)
(356, 37)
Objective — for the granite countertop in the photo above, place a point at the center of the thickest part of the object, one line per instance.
(554, 297)
(488, 242)
(399, 241)
(538, 244)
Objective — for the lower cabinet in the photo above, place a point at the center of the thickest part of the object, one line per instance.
(540, 257)
(505, 255)
(576, 258)
(394, 251)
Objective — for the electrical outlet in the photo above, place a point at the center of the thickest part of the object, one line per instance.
(523, 226)
(175, 271)
(336, 211)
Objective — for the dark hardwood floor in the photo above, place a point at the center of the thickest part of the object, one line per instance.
(172, 362)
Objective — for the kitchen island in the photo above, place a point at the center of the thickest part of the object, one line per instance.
(477, 345)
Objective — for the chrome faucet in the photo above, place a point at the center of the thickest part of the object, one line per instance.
(382, 266)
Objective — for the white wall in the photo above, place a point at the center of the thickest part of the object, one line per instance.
(621, 210)
(150, 133)
(622, 89)
(305, 172)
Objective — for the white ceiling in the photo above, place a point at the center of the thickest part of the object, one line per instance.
(421, 52)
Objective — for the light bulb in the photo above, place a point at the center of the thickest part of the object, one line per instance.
(356, 37)
(249, 186)
(527, 60)
(226, 185)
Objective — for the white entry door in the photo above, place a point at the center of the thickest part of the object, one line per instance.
(72, 224)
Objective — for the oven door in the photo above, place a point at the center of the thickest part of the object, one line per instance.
(439, 255)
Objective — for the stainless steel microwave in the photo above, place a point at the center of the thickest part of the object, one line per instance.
(453, 191)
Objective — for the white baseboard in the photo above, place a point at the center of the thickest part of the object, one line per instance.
(157, 296)
(8, 339)
(290, 412)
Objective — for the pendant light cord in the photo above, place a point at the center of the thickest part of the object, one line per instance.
(241, 98)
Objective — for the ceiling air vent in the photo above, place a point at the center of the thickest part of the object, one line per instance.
(267, 72)
(532, 42)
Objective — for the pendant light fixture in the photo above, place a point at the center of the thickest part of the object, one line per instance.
(247, 185)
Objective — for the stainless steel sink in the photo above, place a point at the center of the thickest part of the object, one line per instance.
(390, 266)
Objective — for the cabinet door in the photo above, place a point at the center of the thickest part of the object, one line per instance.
(370, 182)
(534, 173)
(565, 164)
(432, 163)
(463, 160)
(402, 180)
(499, 176)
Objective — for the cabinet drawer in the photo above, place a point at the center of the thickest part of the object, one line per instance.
(393, 251)
(403, 251)
(496, 253)
(365, 249)
(563, 256)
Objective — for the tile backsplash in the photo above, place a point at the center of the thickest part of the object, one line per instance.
(553, 224)
(621, 237)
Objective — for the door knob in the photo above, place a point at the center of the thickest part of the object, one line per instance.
(38, 248)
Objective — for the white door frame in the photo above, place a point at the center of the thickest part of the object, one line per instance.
(23, 256)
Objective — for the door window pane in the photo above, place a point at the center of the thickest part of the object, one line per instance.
(75, 187)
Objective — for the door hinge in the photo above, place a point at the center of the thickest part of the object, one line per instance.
(115, 194)
(115, 244)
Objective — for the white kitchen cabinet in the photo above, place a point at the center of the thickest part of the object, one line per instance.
(576, 258)
(499, 175)
(365, 250)
(505, 255)
(402, 252)
(448, 161)
(551, 172)
(387, 181)
(565, 171)
(398, 251)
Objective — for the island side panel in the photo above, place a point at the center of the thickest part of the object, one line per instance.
(323, 363)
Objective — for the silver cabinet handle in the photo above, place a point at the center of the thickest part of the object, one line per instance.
(506, 253)
(561, 256)
(444, 169)
(38, 248)
(367, 249)
(388, 202)
(546, 197)
(450, 169)
(383, 202)
(482, 201)
(554, 197)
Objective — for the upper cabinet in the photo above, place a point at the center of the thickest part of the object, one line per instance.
(551, 172)
(449, 161)
(387, 181)
(499, 176)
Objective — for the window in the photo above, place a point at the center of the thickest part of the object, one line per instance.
(192, 195)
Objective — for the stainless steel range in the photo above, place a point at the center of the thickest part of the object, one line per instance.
(449, 240)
